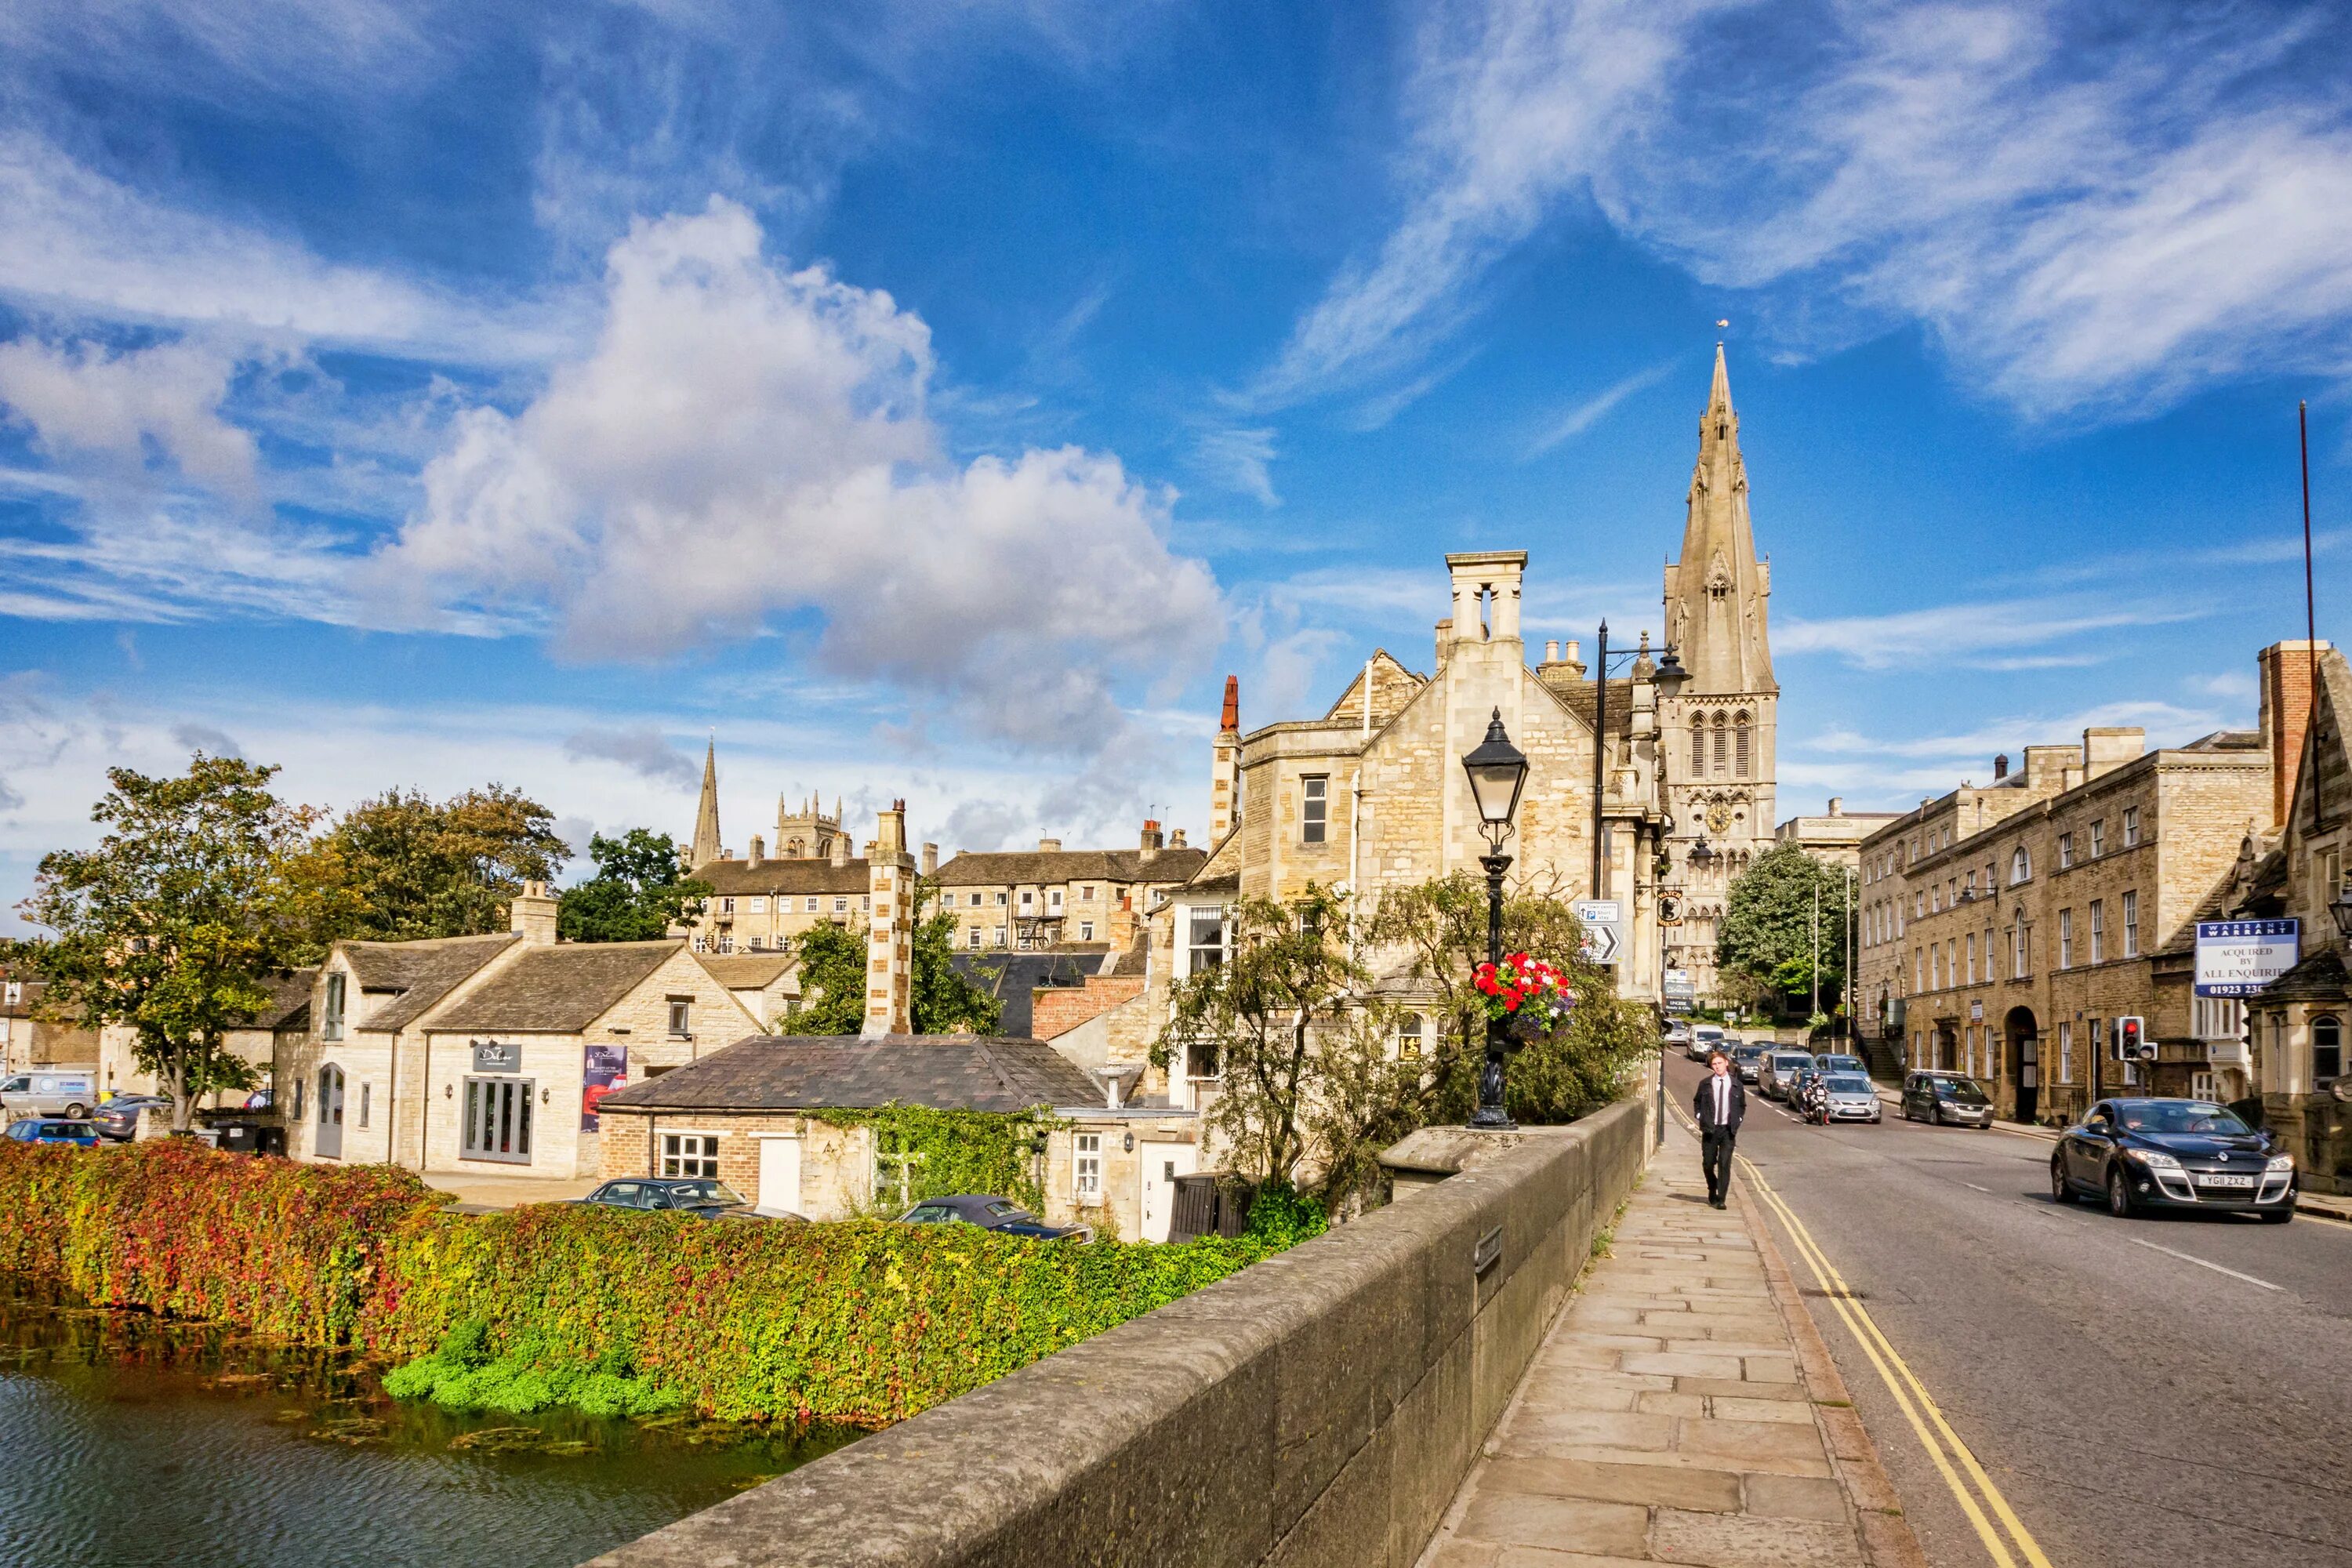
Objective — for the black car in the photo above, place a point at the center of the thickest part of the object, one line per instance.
(990, 1212)
(2173, 1153)
(702, 1197)
(117, 1119)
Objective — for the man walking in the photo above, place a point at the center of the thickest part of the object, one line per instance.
(1719, 1104)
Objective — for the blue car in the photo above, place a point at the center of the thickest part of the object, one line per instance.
(53, 1129)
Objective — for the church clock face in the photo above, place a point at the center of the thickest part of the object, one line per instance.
(1719, 817)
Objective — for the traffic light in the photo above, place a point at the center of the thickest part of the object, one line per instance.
(2132, 1043)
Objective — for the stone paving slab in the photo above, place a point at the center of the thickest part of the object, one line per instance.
(1667, 1419)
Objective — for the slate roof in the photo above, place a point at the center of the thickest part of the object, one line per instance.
(749, 970)
(1020, 974)
(741, 877)
(558, 990)
(290, 1000)
(1046, 867)
(1579, 696)
(1229, 883)
(806, 1072)
(421, 972)
(2319, 978)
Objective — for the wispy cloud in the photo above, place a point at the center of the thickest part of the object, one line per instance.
(1584, 416)
(1980, 634)
(641, 749)
(1240, 457)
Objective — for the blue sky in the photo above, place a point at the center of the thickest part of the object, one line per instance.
(938, 402)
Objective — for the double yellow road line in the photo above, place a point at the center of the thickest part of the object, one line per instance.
(1951, 1455)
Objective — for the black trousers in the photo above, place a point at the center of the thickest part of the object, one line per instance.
(1715, 1159)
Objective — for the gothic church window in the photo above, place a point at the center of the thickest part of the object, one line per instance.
(1719, 744)
(1739, 744)
(1699, 746)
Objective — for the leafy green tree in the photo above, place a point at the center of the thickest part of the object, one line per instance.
(639, 890)
(419, 867)
(833, 983)
(1287, 981)
(170, 927)
(1767, 931)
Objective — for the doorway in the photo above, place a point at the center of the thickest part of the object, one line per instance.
(2023, 1059)
(779, 1176)
(329, 1143)
(1162, 1163)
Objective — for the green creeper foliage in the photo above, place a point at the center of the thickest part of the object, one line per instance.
(638, 892)
(947, 1152)
(1768, 928)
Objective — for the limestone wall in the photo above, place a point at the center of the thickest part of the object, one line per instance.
(1321, 1407)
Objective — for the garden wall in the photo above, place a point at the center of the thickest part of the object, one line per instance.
(1321, 1407)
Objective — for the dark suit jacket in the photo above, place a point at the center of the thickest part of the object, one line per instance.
(1703, 1104)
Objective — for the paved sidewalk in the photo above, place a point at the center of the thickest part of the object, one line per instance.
(1674, 1415)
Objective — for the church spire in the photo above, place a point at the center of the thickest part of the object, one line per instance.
(706, 813)
(1717, 593)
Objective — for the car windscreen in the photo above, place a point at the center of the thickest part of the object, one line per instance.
(2180, 1116)
(1959, 1089)
(701, 1194)
(930, 1214)
(1848, 1083)
(68, 1130)
(1785, 1063)
(1748, 1053)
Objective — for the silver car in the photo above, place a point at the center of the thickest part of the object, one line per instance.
(1778, 1069)
(1849, 1096)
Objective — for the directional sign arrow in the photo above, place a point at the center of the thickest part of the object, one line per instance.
(1600, 944)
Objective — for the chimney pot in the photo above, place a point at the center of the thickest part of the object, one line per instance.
(1176, 839)
(2001, 766)
(1552, 650)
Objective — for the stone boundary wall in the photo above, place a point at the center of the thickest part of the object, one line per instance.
(1320, 1407)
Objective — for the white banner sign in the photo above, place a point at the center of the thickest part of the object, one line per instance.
(2238, 958)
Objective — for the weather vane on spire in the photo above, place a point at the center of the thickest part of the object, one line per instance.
(1723, 321)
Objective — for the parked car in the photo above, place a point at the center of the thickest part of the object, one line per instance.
(1848, 1097)
(1841, 1062)
(119, 1118)
(1776, 1069)
(2173, 1153)
(53, 1129)
(992, 1213)
(702, 1197)
(1945, 1098)
(69, 1094)
(1747, 1061)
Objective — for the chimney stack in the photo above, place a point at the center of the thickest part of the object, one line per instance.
(2001, 767)
(532, 915)
(1151, 840)
(931, 859)
(889, 929)
(1049, 847)
(1176, 839)
(1837, 805)
(1225, 765)
(2284, 670)
(839, 846)
(759, 850)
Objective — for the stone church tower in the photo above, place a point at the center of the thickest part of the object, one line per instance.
(704, 848)
(1717, 737)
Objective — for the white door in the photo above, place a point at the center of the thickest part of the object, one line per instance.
(780, 1175)
(1162, 1163)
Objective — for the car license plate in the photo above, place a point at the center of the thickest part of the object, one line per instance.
(2223, 1179)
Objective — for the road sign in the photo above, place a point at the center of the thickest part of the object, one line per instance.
(1678, 983)
(2238, 958)
(1604, 930)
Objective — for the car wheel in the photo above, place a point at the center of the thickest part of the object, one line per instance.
(75, 1112)
(2062, 1191)
(2119, 1198)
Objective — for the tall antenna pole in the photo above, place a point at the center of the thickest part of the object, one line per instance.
(2310, 611)
(1599, 756)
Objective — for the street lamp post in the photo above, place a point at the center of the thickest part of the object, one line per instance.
(1497, 770)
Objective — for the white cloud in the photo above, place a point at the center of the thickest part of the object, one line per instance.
(1240, 459)
(1584, 416)
(745, 446)
(1978, 634)
(641, 749)
(87, 405)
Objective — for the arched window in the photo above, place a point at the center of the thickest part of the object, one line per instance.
(1740, 745)
(1719, 743)
(2021, 866)
(2326, 1050)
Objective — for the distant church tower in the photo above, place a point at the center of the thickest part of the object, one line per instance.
(706, 814)
(1716, 738)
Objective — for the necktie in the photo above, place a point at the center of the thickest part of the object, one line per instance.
(1722, 1100)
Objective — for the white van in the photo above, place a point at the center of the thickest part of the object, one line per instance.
(67, 1091)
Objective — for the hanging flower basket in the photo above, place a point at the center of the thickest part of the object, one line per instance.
(1528, 996)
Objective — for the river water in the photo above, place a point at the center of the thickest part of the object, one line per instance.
(124, 1440)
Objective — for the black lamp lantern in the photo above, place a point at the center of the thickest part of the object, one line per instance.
(2340, 911)
(1671, 675)
(1497, 770)
(1701, 857)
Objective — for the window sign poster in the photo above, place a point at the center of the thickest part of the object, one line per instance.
(603, 1069)
(2238, 958)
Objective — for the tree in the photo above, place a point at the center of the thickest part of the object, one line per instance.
(419, 868)
(1441, 927)
(638, 892)
(1289, 972)
(833, 983)
(170, 927)
(1768, 928)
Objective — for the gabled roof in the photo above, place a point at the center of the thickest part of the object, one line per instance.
(750, 971)
(557, 990)
(1046, 867)
(289, 1000)
(422, 972)
(740, 877)
(939, 1072)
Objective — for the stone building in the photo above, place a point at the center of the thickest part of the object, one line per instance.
(2296, 1024)
(2004, 929)
(274, 1032)
(486, 1055)
(30, 1040)
(1717, 738)
(760, 901)
(1834, 837)
(1035, 900)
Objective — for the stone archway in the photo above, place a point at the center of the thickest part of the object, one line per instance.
(2021, 1059)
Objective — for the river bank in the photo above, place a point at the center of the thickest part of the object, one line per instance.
(128, 1439)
